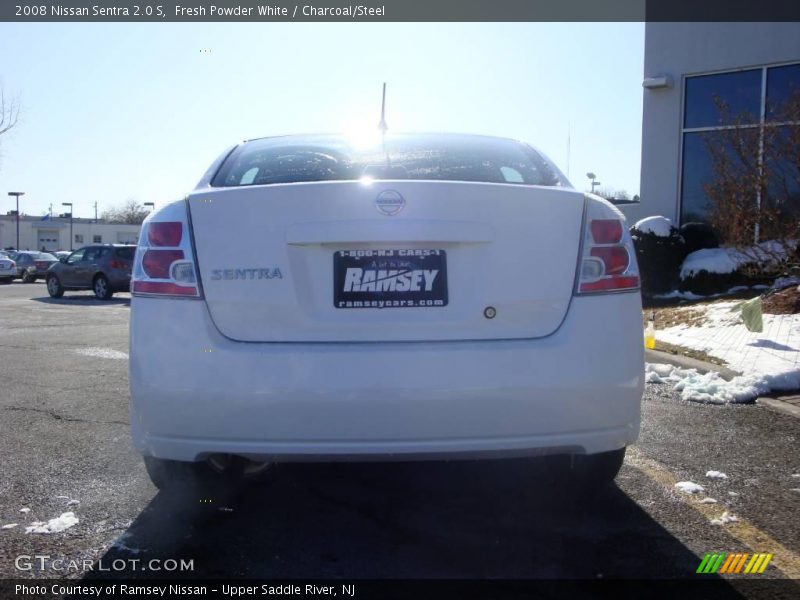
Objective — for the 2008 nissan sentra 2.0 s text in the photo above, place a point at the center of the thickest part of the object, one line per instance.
(427, 296)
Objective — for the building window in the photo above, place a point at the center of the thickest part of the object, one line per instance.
(78, 238)
(753, 103)
(98, 239)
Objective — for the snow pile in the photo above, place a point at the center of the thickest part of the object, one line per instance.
(9, 526)
(658, 226)
(61, 523)
(708, 500)
(25, 510)
(689, 487)
(713, 260)
(716, 475)
(724, 519)
(102, 353)
(711, 388)
(728, 260)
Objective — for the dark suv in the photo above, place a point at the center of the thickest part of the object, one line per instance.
(104, 269)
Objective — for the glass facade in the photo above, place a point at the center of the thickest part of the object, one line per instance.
(754, 102)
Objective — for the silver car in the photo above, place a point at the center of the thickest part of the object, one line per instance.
(8, 268)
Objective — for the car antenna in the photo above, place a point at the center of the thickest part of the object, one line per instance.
(383, 126)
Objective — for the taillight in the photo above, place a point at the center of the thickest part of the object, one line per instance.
(168, 233)
(117, 264)
(164, 264)
(608, 259)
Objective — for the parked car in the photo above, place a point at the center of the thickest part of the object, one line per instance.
(8, 268)
(32, 265)
(102, 268)
(59, 254)
(431, 296)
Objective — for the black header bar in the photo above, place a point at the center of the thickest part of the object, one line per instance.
(397, 10)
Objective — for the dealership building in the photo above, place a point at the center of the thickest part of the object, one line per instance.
(53, 233)
(690, 70)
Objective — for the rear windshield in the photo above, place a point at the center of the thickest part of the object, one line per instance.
(295, 159)
(126, 253)
(35, 255)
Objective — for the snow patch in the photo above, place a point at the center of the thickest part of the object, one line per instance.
(658, 226)
(711, 388)
(120, 544)
(708, 501)
(724, 519)
(728, 260)
(24, 509)
(56, 525)
(102, 353)
(9, 526)
(689, 487)
(716, 475)
(677, 294)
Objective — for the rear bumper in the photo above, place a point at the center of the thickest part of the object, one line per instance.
(194, 392)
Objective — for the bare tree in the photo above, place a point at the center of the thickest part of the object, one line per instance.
(754, 197)
(612, 194)
(9, 111)
(131, 212)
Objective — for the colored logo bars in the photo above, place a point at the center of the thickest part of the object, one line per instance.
(734, 563)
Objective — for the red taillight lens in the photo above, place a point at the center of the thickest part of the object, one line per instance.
(163, 287)
(168, 233)
(609, 284)
(606, 231)
(615, 258)
(156, 263)
(115, 264)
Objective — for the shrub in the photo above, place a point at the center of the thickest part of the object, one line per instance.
(659, 258)
(698, 236)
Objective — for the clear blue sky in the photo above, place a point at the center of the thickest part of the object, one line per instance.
(116, 111)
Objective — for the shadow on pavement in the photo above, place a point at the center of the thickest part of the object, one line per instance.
(486, 519)
(78, 299)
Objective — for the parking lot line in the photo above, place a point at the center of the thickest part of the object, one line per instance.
(786, 561)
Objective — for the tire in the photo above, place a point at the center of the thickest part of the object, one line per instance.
(225, 472)
(587, 471)
(28, 278)
(102, 290)
(54, 287)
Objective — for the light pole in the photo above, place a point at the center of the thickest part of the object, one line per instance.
(17, 194)
(70, 223)
(593, 178)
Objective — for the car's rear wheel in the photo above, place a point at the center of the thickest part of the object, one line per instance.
(28, 277)
(102, 290)
(586, 471)
(216, 471)
(54, 287)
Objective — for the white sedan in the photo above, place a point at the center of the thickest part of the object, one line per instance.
(430, 296)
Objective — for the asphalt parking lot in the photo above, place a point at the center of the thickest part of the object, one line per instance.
(64, 446)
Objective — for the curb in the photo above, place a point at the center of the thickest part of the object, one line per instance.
(781, 405)
(685, 362)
